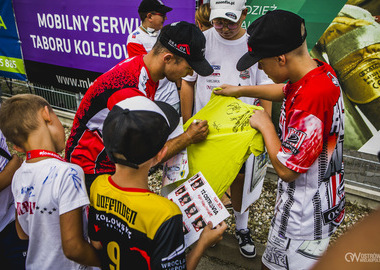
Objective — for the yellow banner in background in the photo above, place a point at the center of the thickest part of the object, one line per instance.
(10, 64)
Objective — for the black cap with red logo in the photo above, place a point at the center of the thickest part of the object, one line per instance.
(186, 40)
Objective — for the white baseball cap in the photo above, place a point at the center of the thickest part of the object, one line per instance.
(226, 9)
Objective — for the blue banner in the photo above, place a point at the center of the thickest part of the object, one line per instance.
(11, 63)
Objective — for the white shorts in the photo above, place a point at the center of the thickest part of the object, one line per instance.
(284, 253)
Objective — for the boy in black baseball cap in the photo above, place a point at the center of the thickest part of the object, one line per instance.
(307, 155)
(149, 228)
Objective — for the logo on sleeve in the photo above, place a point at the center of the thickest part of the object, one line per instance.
(293, 141)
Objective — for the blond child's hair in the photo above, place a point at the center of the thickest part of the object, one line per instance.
(202, 15)
(18, 116)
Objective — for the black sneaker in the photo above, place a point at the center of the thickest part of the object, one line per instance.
(246, 245)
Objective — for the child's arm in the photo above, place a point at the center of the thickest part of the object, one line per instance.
(75, 247)
(267, 105)
(209, 236)
(9, 170)
(20, 232)
(261, 121)
(272, 92)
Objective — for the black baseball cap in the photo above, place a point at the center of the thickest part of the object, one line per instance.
(275, 33)
(186, 40)
(153, 5)
(138, 128)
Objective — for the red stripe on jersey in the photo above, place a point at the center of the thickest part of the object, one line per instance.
(144, 254)
(333, 187)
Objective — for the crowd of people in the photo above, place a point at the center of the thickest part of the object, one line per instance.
(94, 207)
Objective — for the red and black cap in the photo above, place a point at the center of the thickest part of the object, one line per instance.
(186, 40)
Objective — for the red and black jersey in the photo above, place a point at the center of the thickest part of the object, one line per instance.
(85, 145)
(137, 228)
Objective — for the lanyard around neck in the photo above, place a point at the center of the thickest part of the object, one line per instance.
(42, 153)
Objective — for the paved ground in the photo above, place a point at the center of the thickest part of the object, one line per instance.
(226, 256)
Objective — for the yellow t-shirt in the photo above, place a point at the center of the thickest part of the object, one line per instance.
(229, 143)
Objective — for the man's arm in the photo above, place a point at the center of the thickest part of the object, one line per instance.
(272, 92)
(209, 236)
(74, 246)
(261, 121)
(187, 99)
(9, 170)
(196, 133)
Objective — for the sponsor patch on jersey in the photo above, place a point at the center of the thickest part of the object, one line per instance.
(293, 141)
(216, 74)
(335, 214)
(231, 15)
(213, 81)
(244, 74)
(216, 67)
(333, 79)
(134, 35)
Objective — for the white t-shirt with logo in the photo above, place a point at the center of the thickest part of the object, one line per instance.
(223, 55)
(7, 212)
(43, 191)
(139, 40)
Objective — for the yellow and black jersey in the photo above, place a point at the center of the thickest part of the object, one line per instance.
(137, 228)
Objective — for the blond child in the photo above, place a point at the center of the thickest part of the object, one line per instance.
(50, 194)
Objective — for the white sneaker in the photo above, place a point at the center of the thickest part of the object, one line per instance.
(246, 245)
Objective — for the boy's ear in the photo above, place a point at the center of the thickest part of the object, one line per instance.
(46, 114)
(18, 149)
(281, 59)
(160, 155)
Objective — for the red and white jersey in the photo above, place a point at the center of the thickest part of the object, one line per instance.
(140, 42)
(311, 133)
(85, 145)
